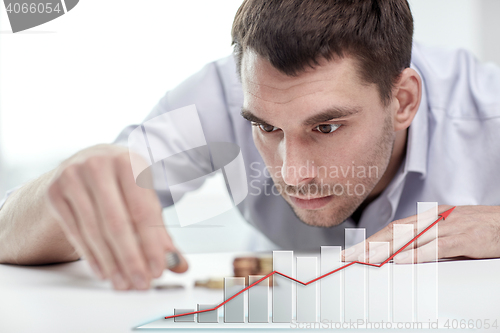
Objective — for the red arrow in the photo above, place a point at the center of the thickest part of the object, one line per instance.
(444, 215)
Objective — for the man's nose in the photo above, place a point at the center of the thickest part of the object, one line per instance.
(297, 168)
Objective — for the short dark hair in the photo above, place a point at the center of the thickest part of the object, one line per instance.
(293, 34)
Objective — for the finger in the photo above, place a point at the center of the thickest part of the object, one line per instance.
(442, 228)
(442, 247)
(378, 252)
(88, 223)
(116, 222)
(403, 240)
(360, 251)
(427, 252)
(169, 245)
(384, 235)
(182, 265)
(145, 212)
(405, 257)
(63, 213)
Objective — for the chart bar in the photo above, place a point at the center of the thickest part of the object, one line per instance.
(355, 278)
(307, 295)
(234, 310)
(427, 274)
(282, 287)
(403, 275)
(378, 282)
(209, 316)
(186, 318)
(258, 300)
(330, 286)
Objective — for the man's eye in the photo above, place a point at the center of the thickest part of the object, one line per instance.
(327, 128)
(268, 128)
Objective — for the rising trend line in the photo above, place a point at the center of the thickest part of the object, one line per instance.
(442, 216)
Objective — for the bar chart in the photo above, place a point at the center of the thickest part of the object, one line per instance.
(332, 288)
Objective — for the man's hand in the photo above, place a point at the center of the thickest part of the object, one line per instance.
(112, 222)
(470, 231)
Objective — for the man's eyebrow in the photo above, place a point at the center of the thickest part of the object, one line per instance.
(248, 115)
(330, 114)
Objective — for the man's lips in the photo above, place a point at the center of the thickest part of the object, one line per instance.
(312, 203)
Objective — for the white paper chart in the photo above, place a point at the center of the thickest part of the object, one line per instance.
(326, 290)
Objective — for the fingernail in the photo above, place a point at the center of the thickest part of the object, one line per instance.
(118, 281)
(172, 260)
(140, 281)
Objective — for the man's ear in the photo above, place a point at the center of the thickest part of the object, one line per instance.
(406, 98)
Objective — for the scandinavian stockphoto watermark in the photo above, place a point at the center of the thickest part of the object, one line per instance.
(26, 14)
(338, 180)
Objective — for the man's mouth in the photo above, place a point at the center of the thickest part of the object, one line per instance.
(310, 203)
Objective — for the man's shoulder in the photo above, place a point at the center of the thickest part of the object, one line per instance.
(215, 83)
(456, 83)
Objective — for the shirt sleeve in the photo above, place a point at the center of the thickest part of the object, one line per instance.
(205, 90)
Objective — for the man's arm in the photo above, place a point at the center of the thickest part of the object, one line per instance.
(34, 230)
(91, 204)
(29, 234)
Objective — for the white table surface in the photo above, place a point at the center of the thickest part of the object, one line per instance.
(67, 298)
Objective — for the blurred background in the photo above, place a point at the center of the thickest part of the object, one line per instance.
(78, 80)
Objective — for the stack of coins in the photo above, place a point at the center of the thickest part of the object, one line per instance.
(245, 266)
(212, 283)
(266, 267)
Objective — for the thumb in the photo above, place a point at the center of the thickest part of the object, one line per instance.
(176, 262)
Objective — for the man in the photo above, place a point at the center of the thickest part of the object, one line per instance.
(328, 90)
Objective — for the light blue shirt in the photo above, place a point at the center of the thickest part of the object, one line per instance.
(452, 157)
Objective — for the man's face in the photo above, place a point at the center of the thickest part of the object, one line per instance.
(324, 135)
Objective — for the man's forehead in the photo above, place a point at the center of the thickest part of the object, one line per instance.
(261, 80)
